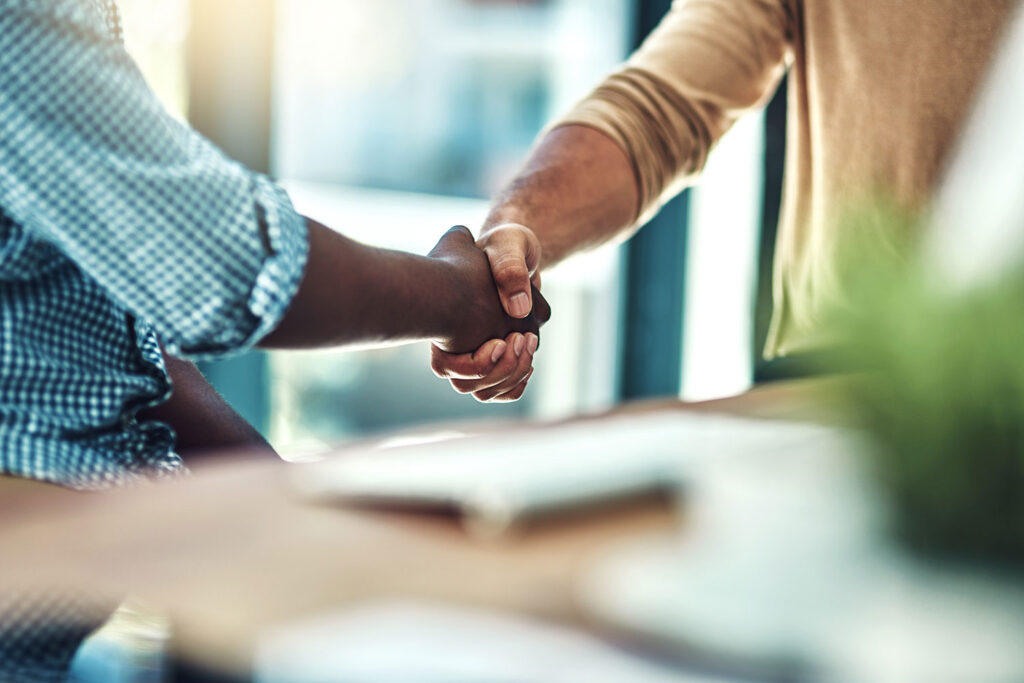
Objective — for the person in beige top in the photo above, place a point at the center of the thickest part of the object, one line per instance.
(877, 92)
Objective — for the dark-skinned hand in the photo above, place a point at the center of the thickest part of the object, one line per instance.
(477, 314)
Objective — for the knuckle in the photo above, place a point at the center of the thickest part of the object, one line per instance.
(506, 233)
(543, 312)
(460, 230)
(511, 396)
(510, 271)
(506, 366)
(438, 370)
(516, 394)
(462, 387)
(541, 307)
(513, 382)
(440, 365)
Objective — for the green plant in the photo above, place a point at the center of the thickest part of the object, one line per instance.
(943, 400)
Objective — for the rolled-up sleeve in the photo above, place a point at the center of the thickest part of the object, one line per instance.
(707, 63)
(208, 252)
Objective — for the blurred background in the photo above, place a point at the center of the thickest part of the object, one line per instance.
(393, 120)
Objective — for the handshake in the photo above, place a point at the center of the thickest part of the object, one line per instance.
(497, 311)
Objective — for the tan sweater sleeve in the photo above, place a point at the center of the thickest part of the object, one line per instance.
(707, 63)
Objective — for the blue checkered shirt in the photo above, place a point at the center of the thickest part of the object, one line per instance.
(120, 230)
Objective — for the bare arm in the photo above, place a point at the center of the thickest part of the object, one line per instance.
(352, 293)
(637, 139)
(577, 191)
(203, 421)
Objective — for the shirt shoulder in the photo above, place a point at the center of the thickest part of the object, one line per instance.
(93, 16)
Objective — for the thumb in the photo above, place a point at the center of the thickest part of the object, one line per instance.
(456, 234)
(541, 308)
(514, 254)
(451, 239)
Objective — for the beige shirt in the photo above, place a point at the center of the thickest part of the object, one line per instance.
(878, 90)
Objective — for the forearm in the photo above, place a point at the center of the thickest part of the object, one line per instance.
(646, 130)
(577, 191)
(352, 293)
(202, 420)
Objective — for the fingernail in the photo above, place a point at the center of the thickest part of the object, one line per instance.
(518, 345)
(498, 352)
(519, 305)
(532, 342)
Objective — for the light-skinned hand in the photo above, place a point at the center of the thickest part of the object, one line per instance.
(500, 369)
(479, 314)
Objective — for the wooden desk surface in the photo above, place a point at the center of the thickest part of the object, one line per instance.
(231, 551)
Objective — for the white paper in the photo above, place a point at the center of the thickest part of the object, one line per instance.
(500, 478)
(400, 642)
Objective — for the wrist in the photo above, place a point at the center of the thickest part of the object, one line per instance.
(446, 299)
(503, 215)
(509, 225)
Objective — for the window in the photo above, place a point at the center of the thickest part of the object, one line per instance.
(155, 35)
(394, 120)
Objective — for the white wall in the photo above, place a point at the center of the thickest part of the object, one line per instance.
(721, 276)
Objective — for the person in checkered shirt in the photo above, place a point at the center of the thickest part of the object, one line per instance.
(128, 243)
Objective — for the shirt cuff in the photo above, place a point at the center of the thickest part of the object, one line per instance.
(278, 281)
(286, 248)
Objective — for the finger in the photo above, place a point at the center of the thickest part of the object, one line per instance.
(522, 371)
(514, 254)
(518, 392)
(512, 278)
(474, 365)
(541, 308)
(459, 232)
(516, 346)
(532, 323)
(451, 239)
(515, 394)
(532, 343)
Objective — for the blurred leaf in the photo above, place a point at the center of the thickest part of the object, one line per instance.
(943, 398)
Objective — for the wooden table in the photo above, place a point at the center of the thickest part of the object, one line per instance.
(231, 550)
